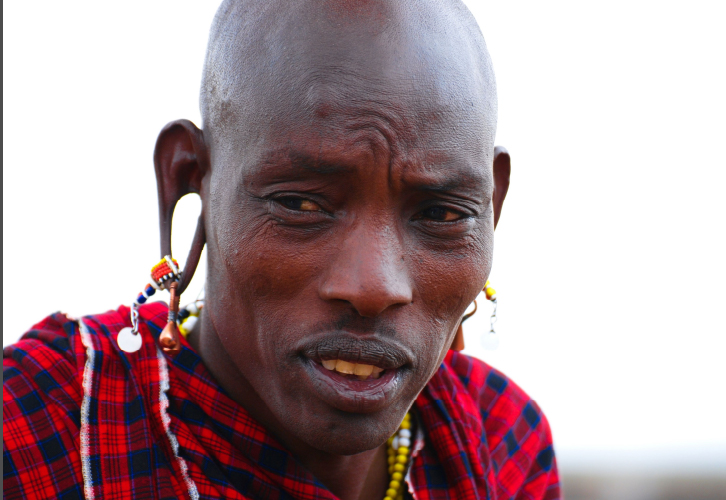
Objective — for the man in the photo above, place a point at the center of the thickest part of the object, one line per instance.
(350, 188)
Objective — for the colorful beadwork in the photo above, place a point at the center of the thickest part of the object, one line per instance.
(149, 290)
(189, 316)
(399, 449)
(490, 340)
(166, 269)
(490, 292)
(165, 272)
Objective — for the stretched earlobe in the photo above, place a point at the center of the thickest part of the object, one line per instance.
(195, 252)
(181, 160)
(502, 168)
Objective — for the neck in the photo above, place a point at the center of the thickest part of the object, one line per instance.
(363, 476)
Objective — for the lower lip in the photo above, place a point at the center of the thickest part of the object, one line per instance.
(353, 395)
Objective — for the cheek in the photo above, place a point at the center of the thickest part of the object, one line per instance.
(448, 281)
(262, 280)
(262, 270)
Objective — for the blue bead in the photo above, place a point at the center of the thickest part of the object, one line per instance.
(150, 291)
(183, 313)
(141, 299)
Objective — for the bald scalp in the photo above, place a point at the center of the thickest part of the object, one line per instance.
(286, 58)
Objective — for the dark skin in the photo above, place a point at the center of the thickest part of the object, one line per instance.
(350, 216)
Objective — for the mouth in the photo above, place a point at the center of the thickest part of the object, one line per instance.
(354, 374)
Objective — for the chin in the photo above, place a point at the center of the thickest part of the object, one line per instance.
(351, 434)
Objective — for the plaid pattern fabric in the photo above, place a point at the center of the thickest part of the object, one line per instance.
(83, 419)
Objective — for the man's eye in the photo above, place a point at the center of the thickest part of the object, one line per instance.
(441, 214)
(297, 203)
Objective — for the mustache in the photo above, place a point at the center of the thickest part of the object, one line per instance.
(349, 339)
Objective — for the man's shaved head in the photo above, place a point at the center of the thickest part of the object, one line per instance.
(285, 58)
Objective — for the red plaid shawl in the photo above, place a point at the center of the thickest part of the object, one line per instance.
(84, 419)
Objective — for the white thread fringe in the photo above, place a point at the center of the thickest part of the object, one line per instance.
(85, 408)
(166, 420)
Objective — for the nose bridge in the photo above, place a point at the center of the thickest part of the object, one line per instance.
(369, 271)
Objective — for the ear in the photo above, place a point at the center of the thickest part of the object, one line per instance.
(502, 168)
(181, 161)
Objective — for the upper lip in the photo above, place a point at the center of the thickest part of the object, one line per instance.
(353, 348)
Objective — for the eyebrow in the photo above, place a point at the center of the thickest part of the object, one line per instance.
(286, 164)
(297, 162)
(447, 185)
(448, 182)
(304, 161)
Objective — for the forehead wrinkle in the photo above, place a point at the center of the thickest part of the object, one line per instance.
(404, 121)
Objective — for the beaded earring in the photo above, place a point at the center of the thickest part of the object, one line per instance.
(490, 340)
(165, 275)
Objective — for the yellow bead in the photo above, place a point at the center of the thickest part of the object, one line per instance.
(390, 492)
(402, 450)
(388, 498)
(486, 284)
(397, 476)
(401, 459)
(391, 459)
(405, 425)
(490, 292)
(407, 416)
(394, 484)
(399, 468)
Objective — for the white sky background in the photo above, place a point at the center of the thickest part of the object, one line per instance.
(610, 251)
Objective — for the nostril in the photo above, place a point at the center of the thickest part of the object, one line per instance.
(368, 301)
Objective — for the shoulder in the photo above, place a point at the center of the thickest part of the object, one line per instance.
(49, 359)
(41, 410)
(43, 396)
(518, 435)
(42, 363)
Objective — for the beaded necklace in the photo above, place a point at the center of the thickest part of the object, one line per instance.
(399, 449)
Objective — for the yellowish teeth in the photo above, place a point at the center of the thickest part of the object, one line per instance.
(360, 370)
(363, 370)
(345, 367)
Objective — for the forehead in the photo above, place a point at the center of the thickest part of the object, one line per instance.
(417, 94)
(332, 130)
(408, 117)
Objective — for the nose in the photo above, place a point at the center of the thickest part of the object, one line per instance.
(369, 271)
